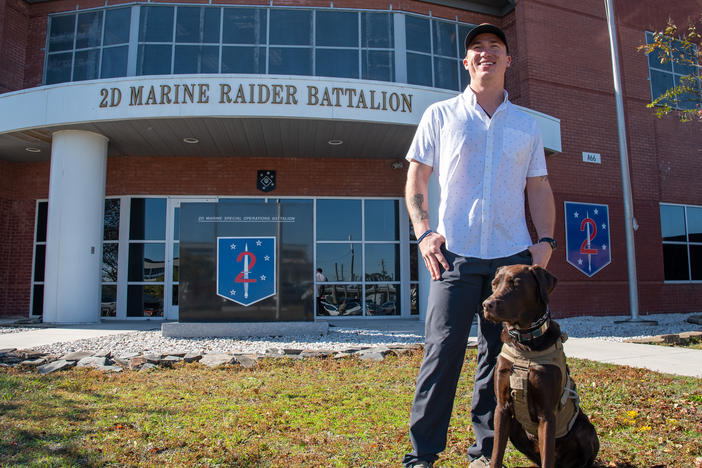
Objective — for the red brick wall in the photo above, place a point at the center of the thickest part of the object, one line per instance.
(225, 176)
(20, 186)
(573, 82)
(14, 22)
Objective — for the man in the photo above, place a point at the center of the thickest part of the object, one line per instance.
(485, 152)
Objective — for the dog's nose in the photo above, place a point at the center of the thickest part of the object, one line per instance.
(489, 304)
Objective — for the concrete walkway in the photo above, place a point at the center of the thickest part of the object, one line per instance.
(669, 360)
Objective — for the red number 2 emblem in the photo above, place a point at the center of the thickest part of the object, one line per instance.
(247, 267)
(585, 248)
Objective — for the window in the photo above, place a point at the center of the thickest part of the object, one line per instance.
(189, 39)
(89, 45)
(147, 257)
(358, 250)
(681, 230)
(37, 294)
(664, 76)
(435, 49)
(110, 258)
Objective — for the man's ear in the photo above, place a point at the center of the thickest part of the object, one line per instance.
(545, 281)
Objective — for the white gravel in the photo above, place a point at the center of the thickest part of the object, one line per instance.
(343, 337)
(4, 330)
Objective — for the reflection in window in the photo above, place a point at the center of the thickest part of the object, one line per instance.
(341, 63)
(681, 231)
(382, 299)
(290, 61)
(338, 219)
(244, 26)
(145, 301)
(340, 262)
(382, 220)
(382, 262)
(37, 306)
(291, 27)
(147, 219)
(146, 262)
(109, 262)
(341, 300)
(108, 305)
(336, 28)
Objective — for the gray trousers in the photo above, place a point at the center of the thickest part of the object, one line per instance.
(453, 302)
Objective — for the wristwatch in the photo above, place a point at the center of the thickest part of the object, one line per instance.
(551, 241)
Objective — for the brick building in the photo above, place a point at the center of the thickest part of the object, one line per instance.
(115, 115)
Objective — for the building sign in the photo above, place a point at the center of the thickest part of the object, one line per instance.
(237, 93)
(246, 269)
(587, 236)
(246, 260)
(595, 158)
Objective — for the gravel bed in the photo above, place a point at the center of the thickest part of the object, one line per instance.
(342, 338)
(4, 330)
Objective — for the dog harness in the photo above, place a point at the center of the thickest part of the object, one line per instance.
(522, 362)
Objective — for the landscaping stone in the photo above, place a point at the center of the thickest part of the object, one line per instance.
(76, 355)
(217, 359)
(137, 362)
(5, 351)
(152, 358)
(33, 362)
(246, 361)
(106, 353)
(92, 361)
(54, 366)
(123, 360)
(169, 360)
(316, 354)
(374, 354)
(147, 367)
(691, 335)
(192, 357)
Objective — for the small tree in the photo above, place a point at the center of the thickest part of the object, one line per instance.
(682, 50)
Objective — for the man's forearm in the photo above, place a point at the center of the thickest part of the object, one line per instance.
(542, 206)
(416, 191)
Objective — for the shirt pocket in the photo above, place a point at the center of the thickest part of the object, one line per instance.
(516, 146)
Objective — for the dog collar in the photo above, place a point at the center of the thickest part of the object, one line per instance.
(535, 330)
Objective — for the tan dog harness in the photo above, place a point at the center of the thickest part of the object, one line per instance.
(568, 406)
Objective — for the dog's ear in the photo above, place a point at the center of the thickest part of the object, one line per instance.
(545, 280)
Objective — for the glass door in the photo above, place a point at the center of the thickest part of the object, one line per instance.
(172, 276)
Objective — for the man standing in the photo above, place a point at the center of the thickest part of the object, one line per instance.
(484, 153)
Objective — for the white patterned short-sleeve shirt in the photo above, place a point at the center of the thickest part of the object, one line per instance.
(482, 164)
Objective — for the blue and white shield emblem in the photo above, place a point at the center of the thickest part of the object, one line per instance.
(246, 269)
(587, 236)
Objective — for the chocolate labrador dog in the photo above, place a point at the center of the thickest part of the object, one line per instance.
(537, 402)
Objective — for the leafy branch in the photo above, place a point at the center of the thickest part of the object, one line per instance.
(683, 50)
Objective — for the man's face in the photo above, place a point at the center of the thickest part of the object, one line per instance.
(486, 56)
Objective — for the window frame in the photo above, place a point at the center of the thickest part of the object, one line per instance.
(674, 74)
(687, 243)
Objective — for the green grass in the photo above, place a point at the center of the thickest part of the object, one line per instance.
(313, 412)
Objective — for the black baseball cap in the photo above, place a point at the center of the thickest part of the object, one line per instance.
(483, 29)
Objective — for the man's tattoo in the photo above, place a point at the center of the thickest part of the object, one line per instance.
(544, 178)
(418, 213)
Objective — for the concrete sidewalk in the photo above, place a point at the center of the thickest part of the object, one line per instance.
(664, 359)
(669, 360)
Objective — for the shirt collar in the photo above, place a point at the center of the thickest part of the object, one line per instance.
(472, 100)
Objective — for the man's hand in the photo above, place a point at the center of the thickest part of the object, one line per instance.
(541, 254)
(430, 247)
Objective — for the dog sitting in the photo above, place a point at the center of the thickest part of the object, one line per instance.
(537, 402)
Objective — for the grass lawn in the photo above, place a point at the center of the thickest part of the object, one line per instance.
(308, 413)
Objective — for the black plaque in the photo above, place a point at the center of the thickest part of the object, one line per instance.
(288, 221)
